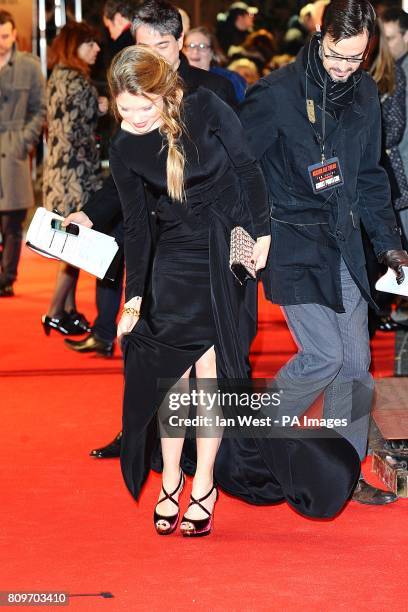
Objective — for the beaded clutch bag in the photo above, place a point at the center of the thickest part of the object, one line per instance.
(241, 248)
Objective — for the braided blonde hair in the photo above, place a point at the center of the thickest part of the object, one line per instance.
(139, 70)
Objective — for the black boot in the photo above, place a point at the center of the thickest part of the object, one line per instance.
(6, 291)
(109, 451)
(91, 344)
(365, 493)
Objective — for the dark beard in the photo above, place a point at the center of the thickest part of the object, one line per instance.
(340, 93)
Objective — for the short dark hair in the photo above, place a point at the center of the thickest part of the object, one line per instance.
(159, 15)
(6, 17)
(126, 9)
(348, 18)
(396, 14)
(234, 13)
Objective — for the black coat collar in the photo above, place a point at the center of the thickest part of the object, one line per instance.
(189, 74)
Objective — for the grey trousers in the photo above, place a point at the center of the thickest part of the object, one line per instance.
(333, 358)
(11, 230)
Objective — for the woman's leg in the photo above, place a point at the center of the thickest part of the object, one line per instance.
(207, 449)
(70, 300)
(171, 451)
(66, 280)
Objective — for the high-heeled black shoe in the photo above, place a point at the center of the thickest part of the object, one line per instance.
(200, 527)
(174, 518)
(64, 325)
(80, 321)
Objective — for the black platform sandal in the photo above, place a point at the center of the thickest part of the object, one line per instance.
(196, 528)
(174, 518)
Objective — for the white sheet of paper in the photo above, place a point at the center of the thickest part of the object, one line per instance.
(388, 283)
(91, 251)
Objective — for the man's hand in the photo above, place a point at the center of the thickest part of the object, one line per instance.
(395, 260)
(80, 218)
(260, 252)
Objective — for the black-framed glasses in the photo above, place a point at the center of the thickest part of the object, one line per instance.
(198, 46)
(341, 58)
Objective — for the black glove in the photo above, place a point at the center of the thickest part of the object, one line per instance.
(395, 260)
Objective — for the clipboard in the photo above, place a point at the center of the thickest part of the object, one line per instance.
(77, 245)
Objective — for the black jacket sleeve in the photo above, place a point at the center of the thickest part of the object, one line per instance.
(196, 77)
(227, 93)
(228, 129)
(136, 224)
(374, 194)
(104, 205)
(257, 115)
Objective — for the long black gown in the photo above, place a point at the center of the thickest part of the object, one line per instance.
(195, 303)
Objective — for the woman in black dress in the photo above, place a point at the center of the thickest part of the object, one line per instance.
(186, 307)
(193, 157)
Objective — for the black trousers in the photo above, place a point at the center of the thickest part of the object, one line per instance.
(11, 229)
(109, 295)
(108, 298)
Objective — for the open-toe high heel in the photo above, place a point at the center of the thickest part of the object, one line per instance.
(195, 528)
(174, 518)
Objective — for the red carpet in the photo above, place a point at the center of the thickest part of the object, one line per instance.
(68, 524)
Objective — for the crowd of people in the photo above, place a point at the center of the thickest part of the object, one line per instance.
(324, 100)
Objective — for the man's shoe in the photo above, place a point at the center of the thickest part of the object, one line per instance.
(396, 445)
(365, 493)
(109, 451)
(90, 344)
(7, 291)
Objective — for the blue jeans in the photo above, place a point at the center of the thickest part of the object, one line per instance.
(333, 358)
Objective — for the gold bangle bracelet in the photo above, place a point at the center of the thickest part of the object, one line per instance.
(131, 311)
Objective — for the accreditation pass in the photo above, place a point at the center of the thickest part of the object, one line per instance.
(326, 175)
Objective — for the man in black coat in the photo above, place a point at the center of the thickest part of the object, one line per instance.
(117, 18)
(315, 127)
(158, 25)
(117, 15)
